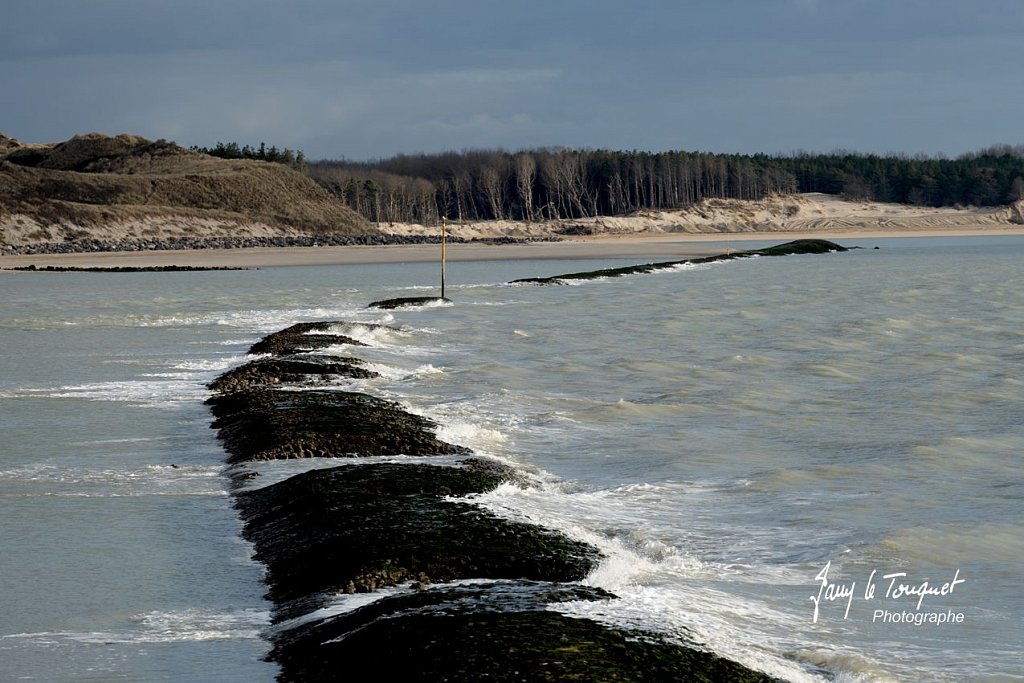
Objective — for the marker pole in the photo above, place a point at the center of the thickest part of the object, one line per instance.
(444, 230)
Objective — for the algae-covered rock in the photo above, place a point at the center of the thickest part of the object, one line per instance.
(271, 424)
(364, 526)
(496, 631)
(596, 274)
(806, 246)
(302, 337)
(408, 301)
(264, 372)
(361, 527)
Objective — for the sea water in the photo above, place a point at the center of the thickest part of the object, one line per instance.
(774, 454)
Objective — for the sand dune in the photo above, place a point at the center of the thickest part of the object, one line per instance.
(816, 214)
(100, 187)
(659, 235)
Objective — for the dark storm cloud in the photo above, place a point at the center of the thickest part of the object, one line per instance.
(373, 78)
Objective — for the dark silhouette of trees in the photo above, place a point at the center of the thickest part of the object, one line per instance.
(983, 178)
(560, 183)
(232, 150)
(380, 197)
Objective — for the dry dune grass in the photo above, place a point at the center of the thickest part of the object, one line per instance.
(126, 186)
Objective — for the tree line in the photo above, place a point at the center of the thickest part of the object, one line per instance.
(562, 183)
(988, 177)
(542, 184)
(232, 150)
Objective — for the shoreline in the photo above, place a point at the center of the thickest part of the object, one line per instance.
(656, 245)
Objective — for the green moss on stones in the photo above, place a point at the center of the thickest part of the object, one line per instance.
(361, 527)
(302, 337)
(299, 369)
(495, 645)
(271, 424)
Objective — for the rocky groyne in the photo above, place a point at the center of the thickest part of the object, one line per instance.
(461, 594)
(92, 245)
(804, 246)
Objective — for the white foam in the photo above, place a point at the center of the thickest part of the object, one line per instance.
(256, 475)
(343, 603)
(259, 320)
(168, 383)
(661, 589)
(192, 625)
(150, 480)
(201, 625)
(681, 615)
(405, 350)
(471, 435)
(160, 392)
(677, 267)
(138, 439)
(369, 334)
(434, 303)
(208, 365)
(401, 374)
(848, 665)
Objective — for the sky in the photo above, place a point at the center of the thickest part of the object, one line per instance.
(369, 79)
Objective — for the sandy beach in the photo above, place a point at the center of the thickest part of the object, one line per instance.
(657, 246)
(634, 247)
(699, 230)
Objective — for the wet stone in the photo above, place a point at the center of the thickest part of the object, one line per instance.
(805, 246)
(296, 369)
(303, 337)
(403, 302)
(495, 631)
(277, 424)
(361, 527)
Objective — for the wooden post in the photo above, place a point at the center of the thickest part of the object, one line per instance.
(444, 230)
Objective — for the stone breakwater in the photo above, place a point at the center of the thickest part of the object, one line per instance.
(90, 245)
(462, 594)
(805, 246)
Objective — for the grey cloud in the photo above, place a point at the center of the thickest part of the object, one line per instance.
(366, 78)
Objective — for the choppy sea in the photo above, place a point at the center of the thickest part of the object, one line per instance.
(810, 464)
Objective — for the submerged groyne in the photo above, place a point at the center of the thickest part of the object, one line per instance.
(456, 592)
(804, 246)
